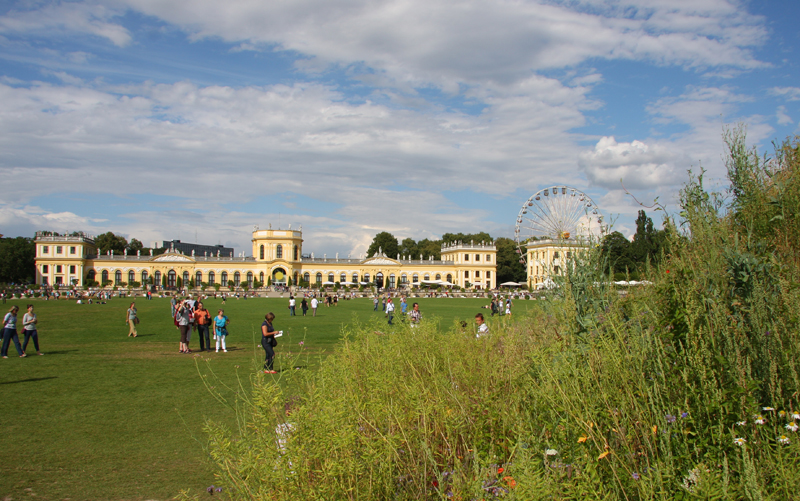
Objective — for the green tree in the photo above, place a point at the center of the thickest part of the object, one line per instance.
(109, 241)
(17, 260)
(386, 242)
(616, 250)
(134, 246)
(647, 242)
(430, 248)
(509, 268)
(449, 238)
(408, 247)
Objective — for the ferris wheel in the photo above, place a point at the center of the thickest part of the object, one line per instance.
(558, 213)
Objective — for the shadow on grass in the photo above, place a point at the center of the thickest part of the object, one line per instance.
(59, 352)
(30, 380)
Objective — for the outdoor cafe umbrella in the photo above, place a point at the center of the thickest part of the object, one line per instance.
(510, 284)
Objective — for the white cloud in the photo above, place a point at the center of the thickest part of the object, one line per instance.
(782, 117)
(635, 164)
(67, 18)
(790, 93)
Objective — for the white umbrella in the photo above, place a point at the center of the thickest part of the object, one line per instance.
(328, 283)
(446, 283)
(510, 284)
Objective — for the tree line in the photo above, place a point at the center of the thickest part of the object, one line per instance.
(509, 269)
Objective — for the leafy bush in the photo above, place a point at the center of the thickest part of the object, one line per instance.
(687, 389)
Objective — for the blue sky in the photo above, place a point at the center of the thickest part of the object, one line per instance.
(170, 119)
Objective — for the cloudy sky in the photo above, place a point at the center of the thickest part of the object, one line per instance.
(197, 119)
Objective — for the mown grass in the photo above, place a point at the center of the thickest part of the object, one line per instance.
(104, 416)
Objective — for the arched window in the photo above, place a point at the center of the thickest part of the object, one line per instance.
(261, 253)
(237, 279)
(90, 275)
(105, 276)
(403, 278)
(249, 278)
(279, 251)
(391, 280)
(438, 276)
(355, 278)
(171, 276)
(224, 278)
(186, 279)
(157, 278)
(427, 277)
(343, 277)
(306, 277)
(144, 277)
(330, 277)
(296, 253)
(198, 278)
(366, 277)
(131, 276)
(450, 278)
(117, 277)
(211, 278)
(261, 278)
(415, 278)
(319, 278)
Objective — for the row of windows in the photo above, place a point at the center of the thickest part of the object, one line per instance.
(478, 258)
(172, 277)
(59, 249)
(59, 268)
(279, 252)
(543, 254)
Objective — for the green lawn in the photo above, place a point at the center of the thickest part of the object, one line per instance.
(104, 416)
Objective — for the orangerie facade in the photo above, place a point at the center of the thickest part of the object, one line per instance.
(277, 256)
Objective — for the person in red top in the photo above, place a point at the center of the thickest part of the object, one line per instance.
(202, 319)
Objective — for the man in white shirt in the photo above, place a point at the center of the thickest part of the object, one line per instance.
(292, 305)
(314, 304)
(483, 329)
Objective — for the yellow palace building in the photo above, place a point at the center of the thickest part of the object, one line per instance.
(546, 258)
(277, 257)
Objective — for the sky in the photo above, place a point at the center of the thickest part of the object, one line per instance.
(199, 119)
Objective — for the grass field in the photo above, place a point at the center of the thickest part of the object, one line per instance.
(105, 416)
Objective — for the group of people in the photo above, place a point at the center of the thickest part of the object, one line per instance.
(498, 307)
(29, 321)
(189, 315)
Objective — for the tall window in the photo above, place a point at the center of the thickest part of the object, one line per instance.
(477, 274)
(306, 277)
(249, 278)
(224, 278)
(477, 257)
(391, 280)
(279, 252)
(261, 253)
(131, 276)
(186, 279)
(330, 277)
(488, 258)
(488, 274)
(59, 249)
(117, 277)
(157, 278)
(296, 253)
(438, 276)
(104, 275)
(366, 277)
(355, 278)
(58, 268)
(261, 278)
(144, 277)
(415, 278)
(211, 278)
(45, 249)
(236, 279)
(427, 277)
(466, 274)
(72, 268)
(343, 277)
(198, 278)
(172, 278)
(466, 257)
(450, 278)
(319, 278)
